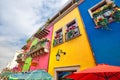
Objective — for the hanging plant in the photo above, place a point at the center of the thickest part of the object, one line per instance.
(107, 8)
(47, 39)
(96, 14)
(33, 47)
(28, 40)
(116, 15)
(42, 40)
(103, 22)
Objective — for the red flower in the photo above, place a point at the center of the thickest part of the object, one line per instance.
(55, 37)
(70, 28)
(67, 29)
(58, 35)
(100, 19)
(73, 27)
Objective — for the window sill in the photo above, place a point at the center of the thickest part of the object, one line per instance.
(57, 44)
(73, 37)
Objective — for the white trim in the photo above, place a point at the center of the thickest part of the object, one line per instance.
(89, 10)
(65, 68)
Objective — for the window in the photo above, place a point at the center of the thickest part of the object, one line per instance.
(63, 70)
(96, 7)
(103, 13)
(72, 30)
(58, 39)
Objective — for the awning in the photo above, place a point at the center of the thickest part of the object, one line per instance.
(7, 73)
(36, 74)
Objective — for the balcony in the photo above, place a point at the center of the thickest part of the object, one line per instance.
(104, 13)
(58, 40)
(25, 47)
(71, 33)
(20, 58)
(42, 33)
(39, 48)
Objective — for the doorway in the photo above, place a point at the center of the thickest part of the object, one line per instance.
(61, 72)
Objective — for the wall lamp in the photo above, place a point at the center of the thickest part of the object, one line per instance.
(58, 54)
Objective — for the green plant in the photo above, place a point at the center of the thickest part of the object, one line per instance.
(33, 47)
(108, 7)
(77, 0)
(28, 40)
(70, 33)
(116, 15)
(96, 14)
(103, 22)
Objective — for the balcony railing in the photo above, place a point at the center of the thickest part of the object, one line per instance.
(72, 33)
(20, 60)
(39, 48)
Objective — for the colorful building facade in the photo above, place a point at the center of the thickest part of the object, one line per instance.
(82, 34)
(22, 58)
(40, 56)
(104, 38)
(70, 48)
(28, 59)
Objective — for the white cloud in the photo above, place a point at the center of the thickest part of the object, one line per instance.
(19, 19)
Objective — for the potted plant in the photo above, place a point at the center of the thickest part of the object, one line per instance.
(70, 34)
(116, 15)
(96, 14)
(103, 22)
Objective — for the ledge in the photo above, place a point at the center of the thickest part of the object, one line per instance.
(73, 37)
(39, 51)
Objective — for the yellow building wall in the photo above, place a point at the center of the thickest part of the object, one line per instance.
(78, 51)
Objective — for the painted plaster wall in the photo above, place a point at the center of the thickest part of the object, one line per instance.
(20, 65)
(27, 64)
(43, 60)
(34, 42)
(104, 43)
(28, 60)
(77, 50)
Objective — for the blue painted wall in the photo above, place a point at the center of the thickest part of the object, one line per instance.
(105, 43)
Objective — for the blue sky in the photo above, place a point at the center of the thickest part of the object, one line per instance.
(19, 19)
